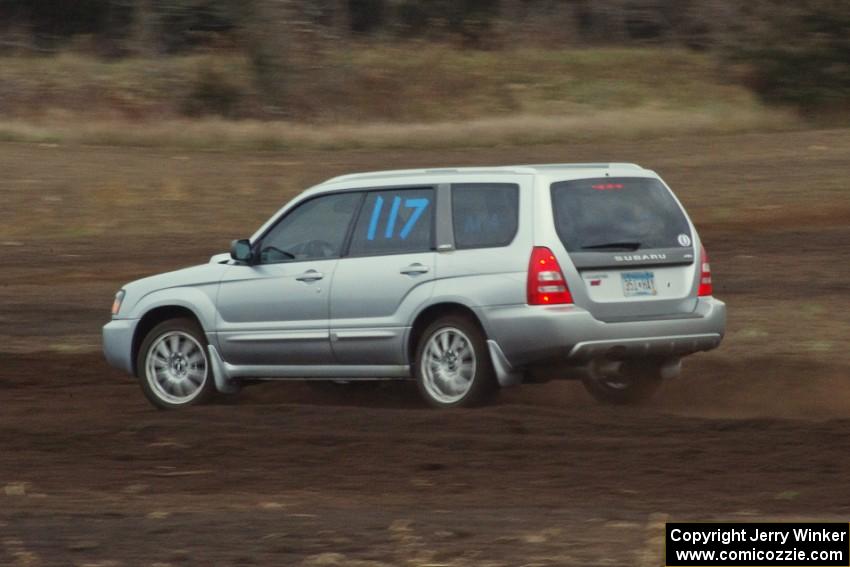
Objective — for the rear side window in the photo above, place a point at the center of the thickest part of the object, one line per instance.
(394, 222)
(618, 213)
(484, 215)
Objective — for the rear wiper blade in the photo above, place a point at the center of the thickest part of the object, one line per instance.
(613, 246)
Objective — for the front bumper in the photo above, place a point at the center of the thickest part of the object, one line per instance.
(535, 334)
(118, 343)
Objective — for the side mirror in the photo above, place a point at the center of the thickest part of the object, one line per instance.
(240, 250)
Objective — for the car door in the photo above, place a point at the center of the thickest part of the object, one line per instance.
(384, 277)
(276, 311)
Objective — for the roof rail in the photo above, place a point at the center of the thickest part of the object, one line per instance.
(426, 171)
(533, 168)
(618, 165)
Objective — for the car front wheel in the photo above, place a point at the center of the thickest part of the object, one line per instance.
(173, 365)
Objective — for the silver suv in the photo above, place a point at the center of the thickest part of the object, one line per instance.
(463, 280)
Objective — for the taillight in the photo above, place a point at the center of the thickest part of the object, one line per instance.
(705, 274)
(546, 283)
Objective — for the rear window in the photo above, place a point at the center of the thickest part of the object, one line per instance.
(617, 213)
(484, 214)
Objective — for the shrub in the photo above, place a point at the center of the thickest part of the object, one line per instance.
(212, 93)
(796, 53)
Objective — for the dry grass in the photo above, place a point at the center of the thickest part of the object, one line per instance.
(215, 133)
(83, 86)
(409, 82)
(357, 98)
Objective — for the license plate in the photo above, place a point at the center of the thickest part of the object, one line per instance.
(638, 283)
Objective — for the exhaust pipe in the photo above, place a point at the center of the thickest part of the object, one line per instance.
(671, 368)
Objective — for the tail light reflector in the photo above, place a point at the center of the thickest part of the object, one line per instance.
(546, 283)
(705, 287)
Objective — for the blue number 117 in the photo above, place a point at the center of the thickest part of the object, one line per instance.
(418, 206)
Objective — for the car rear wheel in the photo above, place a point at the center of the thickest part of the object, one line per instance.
(623, 383)
(453, 367)
(173, 365)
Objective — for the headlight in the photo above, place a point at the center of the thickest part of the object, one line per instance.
(116, 304)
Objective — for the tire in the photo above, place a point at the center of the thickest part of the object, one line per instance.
(173, 365)
(452, 365)
(635, 383)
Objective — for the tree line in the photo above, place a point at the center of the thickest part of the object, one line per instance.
(793, 52)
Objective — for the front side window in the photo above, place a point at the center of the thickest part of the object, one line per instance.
(394, 222)
(484, 214)
(314, 230)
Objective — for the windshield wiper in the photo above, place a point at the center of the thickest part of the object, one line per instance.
(613, 246)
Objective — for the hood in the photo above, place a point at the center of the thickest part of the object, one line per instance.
(193, 276)
(220, 258)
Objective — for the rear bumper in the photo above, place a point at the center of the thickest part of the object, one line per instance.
(677, 345)
(118, 343)
(534, 334)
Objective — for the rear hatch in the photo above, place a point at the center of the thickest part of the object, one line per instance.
(631, 244)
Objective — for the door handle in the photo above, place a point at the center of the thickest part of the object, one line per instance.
(310, 276)
(415, 269)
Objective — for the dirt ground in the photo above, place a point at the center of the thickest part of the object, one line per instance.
(92, 475)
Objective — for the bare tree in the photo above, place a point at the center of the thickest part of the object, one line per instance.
(144, 39)
(268, 28)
